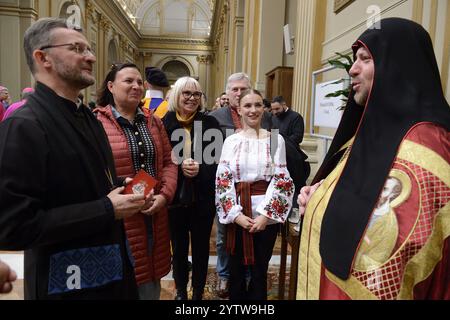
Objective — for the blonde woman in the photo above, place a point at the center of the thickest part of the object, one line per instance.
(192, 212)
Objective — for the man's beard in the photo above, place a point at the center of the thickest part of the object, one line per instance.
(361, 99)
(75, 77)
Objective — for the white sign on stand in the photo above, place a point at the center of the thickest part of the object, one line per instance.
(327, 111)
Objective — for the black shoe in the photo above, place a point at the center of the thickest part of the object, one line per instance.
(181, 295)
(197, 294)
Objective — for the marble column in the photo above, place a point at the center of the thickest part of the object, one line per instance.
(308, 51)
(204, 74)
(102, 47)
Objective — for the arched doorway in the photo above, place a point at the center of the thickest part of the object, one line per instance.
(113, 54)
(174, 70)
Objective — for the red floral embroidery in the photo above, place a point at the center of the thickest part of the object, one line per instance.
(227, 203)
(284, 185)
(223, 182)
(277, 208)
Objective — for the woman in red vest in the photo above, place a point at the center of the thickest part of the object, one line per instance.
(139, 141)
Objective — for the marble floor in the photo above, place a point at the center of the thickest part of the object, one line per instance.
(15, 261)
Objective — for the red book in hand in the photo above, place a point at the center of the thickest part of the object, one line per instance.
(142, 183)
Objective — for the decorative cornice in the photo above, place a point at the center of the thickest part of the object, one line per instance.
(173, 46)
(21, 12)
(215, 19)
(185, 41)
(175, 43)
(118, 18)
(203, 58)
(221, 24)
(123, 43)
(105, 24)
(126, 45)
(91, 13)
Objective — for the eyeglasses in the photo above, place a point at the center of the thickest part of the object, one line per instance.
(75, 47)
(188, 94)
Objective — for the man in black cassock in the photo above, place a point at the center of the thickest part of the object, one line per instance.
(58, 199)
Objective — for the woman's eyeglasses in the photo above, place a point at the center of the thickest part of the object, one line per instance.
(188, 94)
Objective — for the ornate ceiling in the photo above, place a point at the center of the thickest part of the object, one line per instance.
(171, 18)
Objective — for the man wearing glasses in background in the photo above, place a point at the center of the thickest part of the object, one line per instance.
(58, 189)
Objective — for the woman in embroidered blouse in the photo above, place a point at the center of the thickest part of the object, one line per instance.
(253, 194)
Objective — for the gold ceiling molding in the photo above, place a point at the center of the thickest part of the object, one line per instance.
(16, 11)
(91, 14)
(204, 58)
(177, 40)
(118, 18)
(222, 20)
(123, 43)
(145, 54)
(105, 24)
(173, 46)
(220, 10)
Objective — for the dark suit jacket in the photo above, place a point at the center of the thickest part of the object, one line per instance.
(291, 126)
(53, 203)
(223, 116)
(203, 185)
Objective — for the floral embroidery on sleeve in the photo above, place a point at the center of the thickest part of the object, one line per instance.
(226, 204)
(223, 182)
(283, 184)
(279, 194)
(277, 208)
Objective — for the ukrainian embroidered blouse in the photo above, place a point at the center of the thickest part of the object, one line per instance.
(248, 160)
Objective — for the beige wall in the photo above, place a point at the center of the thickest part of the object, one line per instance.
(249, 38)
(342, 29)
(15, 17)
(291, 19)
(269, 50)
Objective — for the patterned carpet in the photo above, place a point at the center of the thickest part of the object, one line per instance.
(168, 286)
(168, 290)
